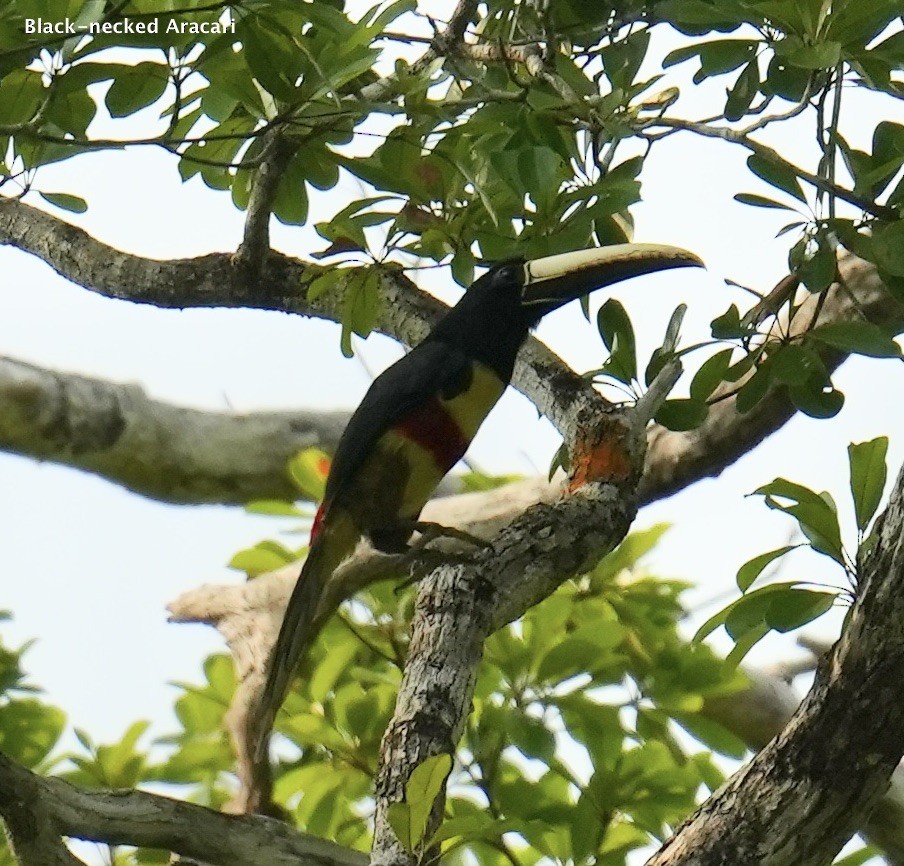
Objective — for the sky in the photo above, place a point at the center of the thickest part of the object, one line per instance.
(88, 567)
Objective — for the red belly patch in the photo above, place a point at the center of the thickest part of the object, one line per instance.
(434, 430)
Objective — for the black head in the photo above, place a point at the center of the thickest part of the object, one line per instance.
(495, 315)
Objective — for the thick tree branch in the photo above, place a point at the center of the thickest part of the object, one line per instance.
(215, 281)
(805, 794)
(44, 810)
(156, 449)
(760, 712)
(459, 606)
(30, 820)
(676, 460)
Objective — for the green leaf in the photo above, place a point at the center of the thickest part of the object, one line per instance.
(262, 557)
(793, 364)
(754, 389)
(796, 607)
(136, 87)
(759, 201)
(823, 55)
(728, 325)
(531, 737)
(753, 568)
(866, 854)
(409, 819)
(274, 508)
(308, 471)
(818, 271)
(861, 338)
(399, 817)
(777, 174)
(712, 734)
(617, 333)
(743, 92)
(745, 643)
(710, 375)
(888, 244)
(64, 200)
(815, 513)
(29, 730)
(868, 476)
(682, 414)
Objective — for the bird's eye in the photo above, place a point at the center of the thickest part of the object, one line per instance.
(508, 273)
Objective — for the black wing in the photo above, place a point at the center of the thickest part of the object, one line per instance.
(430, 369)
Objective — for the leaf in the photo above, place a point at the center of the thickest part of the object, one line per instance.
(409, 819)
(815, 399)
(818, 271)
(868, 476)
(710, 375)
(72, 203)
(682, 414)
(399, 817)
(759, 201)
(777, 174)
(754, 389)
(746, 643)
(823, 55)
(136, 87)
(308, 471)
(617, 333)
(795, 607)
(793, 364)
(888, 244)
(262, 557)
(815, 513)
(753, 568)
(29, 730)
(743, 92)
(274, 508)
(531, 737)
(728, 325)
(861, 338)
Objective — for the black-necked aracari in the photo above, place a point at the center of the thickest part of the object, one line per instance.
(419, 417)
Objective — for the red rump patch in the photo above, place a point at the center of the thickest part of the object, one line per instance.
(432, 428)
(316, 526)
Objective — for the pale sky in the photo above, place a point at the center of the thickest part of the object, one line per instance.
(88, 567)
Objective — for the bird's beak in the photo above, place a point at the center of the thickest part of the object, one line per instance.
(555, 280)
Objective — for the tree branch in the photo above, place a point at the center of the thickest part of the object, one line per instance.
(761, 711)
(802, 797)
(674, 460)
(44, 810)
(677, 460)
(406, 314)
(155, 449)
(255, 246)
(672, 124)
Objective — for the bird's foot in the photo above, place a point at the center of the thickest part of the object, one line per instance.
(430, 531)
(423, 559)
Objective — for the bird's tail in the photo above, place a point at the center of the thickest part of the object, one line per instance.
(335, 540)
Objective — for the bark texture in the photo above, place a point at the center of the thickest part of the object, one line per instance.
(152, 448)
(40, 812)
(803, 796)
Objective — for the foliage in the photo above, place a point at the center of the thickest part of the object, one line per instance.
(573, 751)
(596, 676)
(468, 157)
(29, 727)
(784, 606)
(530, 137)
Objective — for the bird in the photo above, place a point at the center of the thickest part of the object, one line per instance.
(419, 416)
